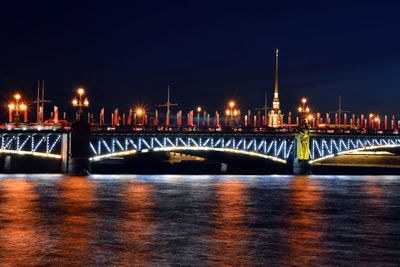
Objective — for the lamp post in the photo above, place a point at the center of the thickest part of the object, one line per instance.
(198, 116)
(371, 122)
(140, 114)
(80, 102)
(16, 108)
(304, 110)
(231, 112)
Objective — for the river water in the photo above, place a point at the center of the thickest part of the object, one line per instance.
(169, 220)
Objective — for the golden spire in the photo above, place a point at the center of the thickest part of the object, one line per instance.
(276, 69)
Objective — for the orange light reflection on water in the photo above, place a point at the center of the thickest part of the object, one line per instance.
(137, 228)
(375, 234)
(20, 233)
(304, 223)
(229, 238)
(78, 225)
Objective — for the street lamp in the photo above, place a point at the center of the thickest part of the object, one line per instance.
(304, 110)
(231, 112)
(80, 102)
(140, 113)
(198, 116)
(17, 107)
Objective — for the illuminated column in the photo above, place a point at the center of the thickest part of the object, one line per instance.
(255, 121)
(345, 119)
(248, 117)
(55, 118)
(358, 123)
(327, 118)
(259, 119)
(167, 119)
(336, 119)
(393, 122)
(10, 116)
(156, 118)
(318, 118)
(245, 120)
(365, 123)
(204, 118)
(112, 119)
(179, 118)
(129, 120)
(41, 116)
(208, 120)
(354, 120)
(362, 121)
(290, 118)
(385, 122)
(26, 115)
(102, 116)
(116, 117)
(297, 120)
(123, 119)
(191, 114)
(217, 115)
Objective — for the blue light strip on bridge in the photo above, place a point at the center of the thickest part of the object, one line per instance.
(157, 149)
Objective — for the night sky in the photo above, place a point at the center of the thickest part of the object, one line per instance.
(126, 54)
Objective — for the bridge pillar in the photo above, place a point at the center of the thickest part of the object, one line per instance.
(301, 167)
(78, 161)
(65, 151)
(301, 155)
(7, 164)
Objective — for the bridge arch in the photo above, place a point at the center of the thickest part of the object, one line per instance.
(323, 148)
(36, 144)
(183, 149)
(272, 148)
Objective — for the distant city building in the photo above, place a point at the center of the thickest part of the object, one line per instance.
(275, 117)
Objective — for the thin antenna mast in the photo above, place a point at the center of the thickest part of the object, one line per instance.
(266, 105)
(340, 110)
(168, 105)
(40, 102)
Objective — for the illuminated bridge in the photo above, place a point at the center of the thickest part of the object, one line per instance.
(281, 148)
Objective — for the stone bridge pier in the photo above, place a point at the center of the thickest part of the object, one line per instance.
(78, 160)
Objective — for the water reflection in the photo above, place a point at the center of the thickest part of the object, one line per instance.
(23, 240)
(77, 229)
(102, 221)
(304, 223)
(375, 235)
(137, 228)
(230, 236)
